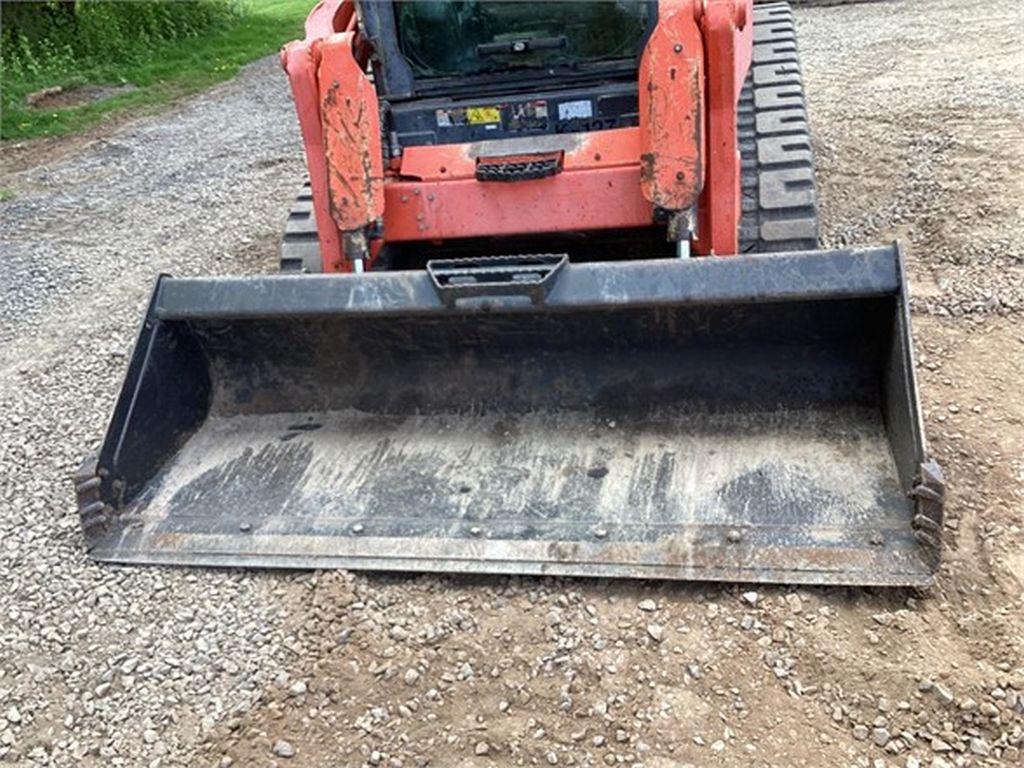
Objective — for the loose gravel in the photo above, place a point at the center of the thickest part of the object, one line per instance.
(185, 192)
(918, 124)
(123, 666)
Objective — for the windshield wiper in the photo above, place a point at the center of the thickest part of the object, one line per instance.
(524, 45)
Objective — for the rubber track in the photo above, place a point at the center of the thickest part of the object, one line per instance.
(300, 248)
(779, 198)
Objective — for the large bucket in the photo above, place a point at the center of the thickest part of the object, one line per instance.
(742, 418)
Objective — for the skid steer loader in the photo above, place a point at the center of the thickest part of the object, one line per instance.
(555, 308)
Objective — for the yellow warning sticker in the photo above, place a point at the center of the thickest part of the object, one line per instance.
(481, 115)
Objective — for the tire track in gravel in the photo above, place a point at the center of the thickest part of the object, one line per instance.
(185, 192)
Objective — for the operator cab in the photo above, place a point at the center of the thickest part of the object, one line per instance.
(450, 72)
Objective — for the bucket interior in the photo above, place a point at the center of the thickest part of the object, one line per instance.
(756, 441)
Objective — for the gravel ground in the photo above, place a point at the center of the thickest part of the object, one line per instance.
(918, 121)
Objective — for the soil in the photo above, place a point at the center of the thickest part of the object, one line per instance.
(78, 96)
(20, 156)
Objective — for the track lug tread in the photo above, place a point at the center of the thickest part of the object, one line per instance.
(779, 206)
(299, 251)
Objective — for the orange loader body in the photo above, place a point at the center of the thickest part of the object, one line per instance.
(682, 154)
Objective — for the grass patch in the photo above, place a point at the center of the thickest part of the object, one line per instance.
(162, 70)
(7, 194)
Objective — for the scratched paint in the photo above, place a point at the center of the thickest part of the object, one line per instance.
(671, 111)
(352, 144)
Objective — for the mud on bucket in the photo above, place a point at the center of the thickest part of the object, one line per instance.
(748, 419)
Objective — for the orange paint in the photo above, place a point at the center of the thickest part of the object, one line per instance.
(729, 50)
(671, 95)
(601, 149)
(330, 16)
(299, 62)
(684, 150)
(351, 124)
(597, 198)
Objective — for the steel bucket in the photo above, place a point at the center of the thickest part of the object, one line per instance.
(740, 418)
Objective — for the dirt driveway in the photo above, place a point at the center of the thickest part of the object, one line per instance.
(918, 112)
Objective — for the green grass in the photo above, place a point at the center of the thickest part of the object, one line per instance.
(7, 194)
(167, 71)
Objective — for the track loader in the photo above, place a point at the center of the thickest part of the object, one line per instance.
(552, 303)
